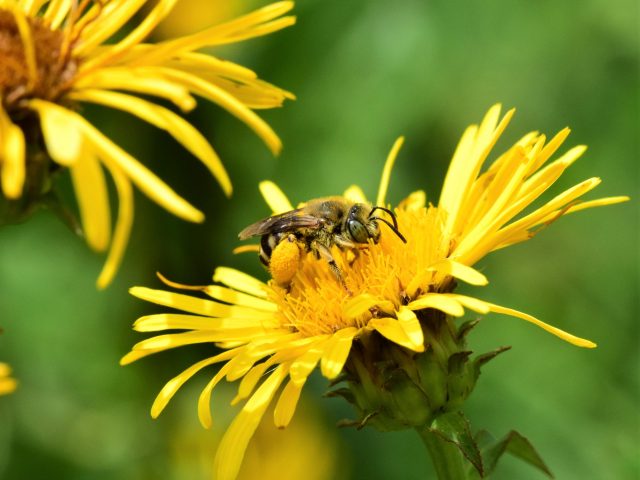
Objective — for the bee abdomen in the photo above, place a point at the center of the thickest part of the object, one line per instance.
(267, 244)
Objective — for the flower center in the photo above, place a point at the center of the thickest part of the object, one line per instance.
(317, 303)
(35, 60)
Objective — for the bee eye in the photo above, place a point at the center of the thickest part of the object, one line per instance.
(357, 231)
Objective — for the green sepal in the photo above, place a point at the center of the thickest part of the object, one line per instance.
(466, 327)
(454, 428)
(480, 360)
(341, 392)
(513, 443)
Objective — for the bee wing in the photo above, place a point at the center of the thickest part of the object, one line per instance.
(284, 222)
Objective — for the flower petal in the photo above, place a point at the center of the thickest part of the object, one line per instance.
(415, 201)
(302, 366)
(62, 134)
(567, 337)
(191, 304)
(163, 118)
(12, 156)
(122, 230)
(391, 329)
(361, 304)
(336, 351)
(240, 281)
(411, 325)
(173, 385)
(472, 151)
(460, 271)
(286, 406)
(386, 172)
(355, 194)
(439, 301)
(91, 191)
(235, 440)
(204, 401)
(275, 198)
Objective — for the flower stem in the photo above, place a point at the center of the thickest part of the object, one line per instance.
(445, 456)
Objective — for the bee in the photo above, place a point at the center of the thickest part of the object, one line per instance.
(316, 227)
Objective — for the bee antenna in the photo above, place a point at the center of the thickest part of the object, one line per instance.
(392, 227)
(393, 215)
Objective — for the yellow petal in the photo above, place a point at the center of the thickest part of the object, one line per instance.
(460, 271)
(238, 298)
(114, 157)
(390, 328)
(190, 304)
(415, 201)
(234, 442)
(278, 343)
(122, 230)
(250, 380)
(204, 401)
(240, 281)
(173, 385)
(302, 366)
(62, 134)
(359, 304)
(567, 337)
(139, 33)
(355, 194)
(336, 352)
(12, 156)
(136, 80)
(472, 303)
(28, 44)
(286, 406)
(550, 148)
(174, 340)
(386, 172)
(177, 321)
(438, 301)
(102, 21)
(227, 101)
(91, 191)
(135, 355)
(411, 325)
(472, 151)
(275, 198)
(249, 25)
(600, 202)
(165, 119)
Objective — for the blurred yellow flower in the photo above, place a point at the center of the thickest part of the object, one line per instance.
(7, 383)
(309, 449)
(272, 335)
(54, 57)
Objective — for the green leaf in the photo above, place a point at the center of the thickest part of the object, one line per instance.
(513, 443)
(454, 428)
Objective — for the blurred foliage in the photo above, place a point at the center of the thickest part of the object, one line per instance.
(364, 72)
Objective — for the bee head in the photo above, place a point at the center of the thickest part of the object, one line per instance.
(372, 218)
(362, 225)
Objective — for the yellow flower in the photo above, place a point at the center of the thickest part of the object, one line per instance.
(7, 383)
(273, 336)
(53, 57)
(308, 448)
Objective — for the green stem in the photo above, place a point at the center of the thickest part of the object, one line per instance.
(446, 457)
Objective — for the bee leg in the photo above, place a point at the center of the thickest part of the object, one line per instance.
(325, 253)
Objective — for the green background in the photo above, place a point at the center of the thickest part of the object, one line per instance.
(364, 72)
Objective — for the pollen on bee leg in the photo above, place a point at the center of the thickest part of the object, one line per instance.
(285, 260)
